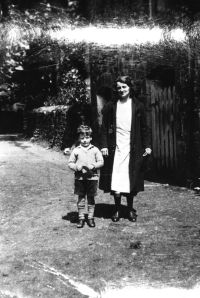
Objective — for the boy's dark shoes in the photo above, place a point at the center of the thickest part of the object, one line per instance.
(91, 222)
(80, 223)
(116, 217)
(132, 216)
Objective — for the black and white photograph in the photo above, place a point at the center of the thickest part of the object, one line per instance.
(99, 148)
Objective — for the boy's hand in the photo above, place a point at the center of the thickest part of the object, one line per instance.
(84, 170)
(91, 167)
(79, 167)
(87, 172)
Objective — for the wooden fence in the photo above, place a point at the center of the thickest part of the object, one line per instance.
(163, 123)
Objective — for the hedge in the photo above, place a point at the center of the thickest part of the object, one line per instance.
(47, 124)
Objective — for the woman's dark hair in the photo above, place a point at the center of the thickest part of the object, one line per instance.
(125, 80)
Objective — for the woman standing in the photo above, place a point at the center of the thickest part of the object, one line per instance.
(125, 142)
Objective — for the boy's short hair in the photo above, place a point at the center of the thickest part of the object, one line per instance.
(84, 130)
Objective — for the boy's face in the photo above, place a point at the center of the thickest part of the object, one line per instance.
(85, 140)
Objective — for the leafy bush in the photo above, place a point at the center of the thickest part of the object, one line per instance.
(72, 89)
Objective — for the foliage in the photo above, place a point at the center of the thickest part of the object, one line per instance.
(41, 70)
(34, 65)
(71, 90)
(48, 126)
(136, 12)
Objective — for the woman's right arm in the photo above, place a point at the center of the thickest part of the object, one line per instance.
(104, 141)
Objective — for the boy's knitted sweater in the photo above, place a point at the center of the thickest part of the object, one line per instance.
(86, 156)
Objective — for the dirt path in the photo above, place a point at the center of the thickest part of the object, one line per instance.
(43, 254)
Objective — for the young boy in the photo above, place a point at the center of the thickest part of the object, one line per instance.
(85, 159)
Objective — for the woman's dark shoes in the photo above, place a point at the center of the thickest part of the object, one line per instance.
(132, 216)
(80, 223)
(91, 222)
(116, 217)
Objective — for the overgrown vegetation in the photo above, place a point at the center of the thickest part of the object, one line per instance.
(36, 69)
(39, 70)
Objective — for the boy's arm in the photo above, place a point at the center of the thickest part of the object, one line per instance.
(72, 161)
(99, 161)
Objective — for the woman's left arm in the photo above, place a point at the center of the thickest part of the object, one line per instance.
(145, 131)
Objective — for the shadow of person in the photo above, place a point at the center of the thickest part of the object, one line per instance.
(101, 211)
(107, 211)
(71, 216)
(104, 210)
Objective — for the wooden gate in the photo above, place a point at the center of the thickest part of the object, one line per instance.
(163, 121)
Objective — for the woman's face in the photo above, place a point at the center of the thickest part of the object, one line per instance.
(123, 90)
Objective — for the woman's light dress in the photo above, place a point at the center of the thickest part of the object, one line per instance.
(120, 174)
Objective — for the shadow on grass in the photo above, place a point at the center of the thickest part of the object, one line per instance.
(71, 216)
(11, 137)
(104, 210)
(16, 139)
(21, 145)
(101, 211)
(107, 211)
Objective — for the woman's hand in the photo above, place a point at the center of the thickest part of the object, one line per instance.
(67, 151)
(147, 151)
(104, 151)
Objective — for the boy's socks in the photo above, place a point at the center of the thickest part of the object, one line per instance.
(90, 211)
(81, 223)
(81, 207)
(91, 207)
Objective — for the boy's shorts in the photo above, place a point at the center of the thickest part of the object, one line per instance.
(85, 187)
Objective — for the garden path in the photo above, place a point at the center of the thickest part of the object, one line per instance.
(43, 254)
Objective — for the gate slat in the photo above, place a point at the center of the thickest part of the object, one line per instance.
(171, 132)
(158, 144)
(165, 95)
(169, 126)
(162, 137)
(153, 119)
(174, 126)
